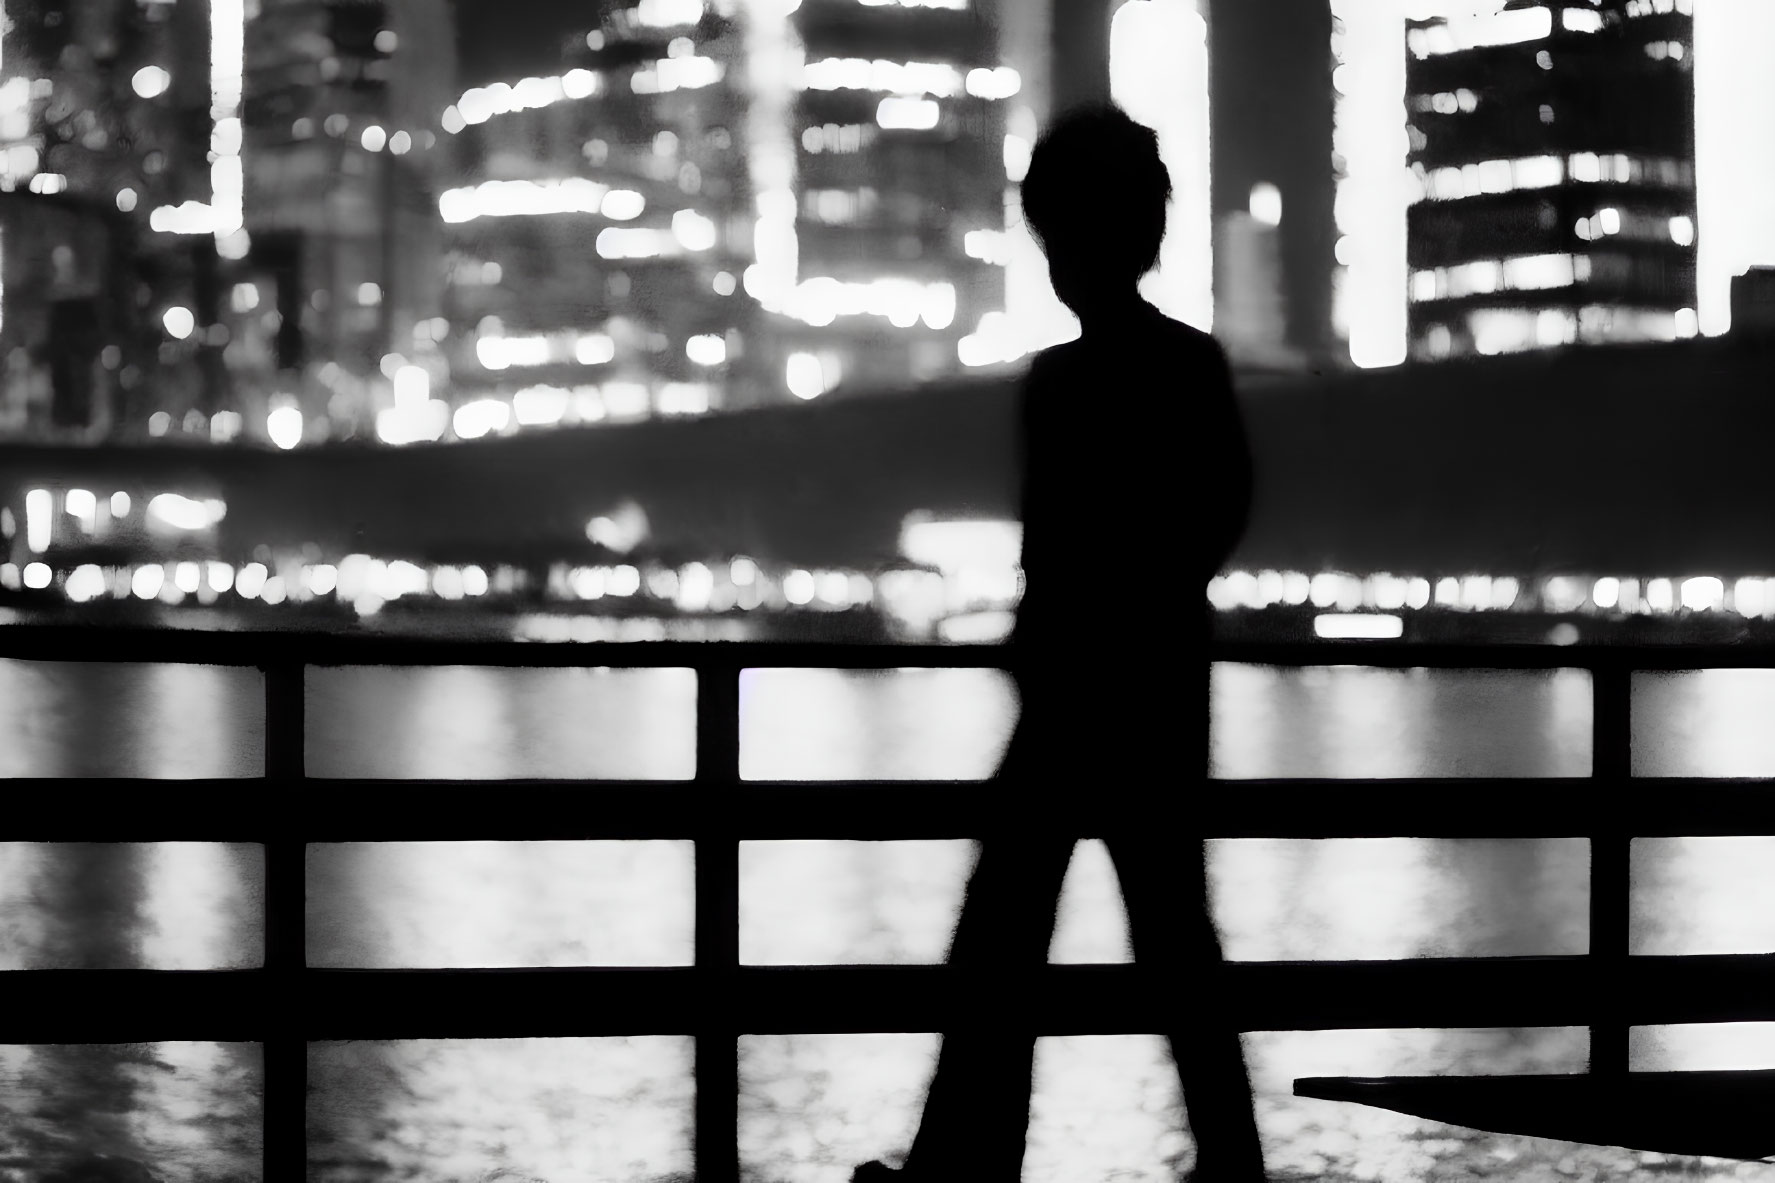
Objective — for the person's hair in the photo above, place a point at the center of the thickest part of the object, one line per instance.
(1095, 175)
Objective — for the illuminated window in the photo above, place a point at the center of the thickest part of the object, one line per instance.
(1580, 20)
(839, 207)
(1457, 33)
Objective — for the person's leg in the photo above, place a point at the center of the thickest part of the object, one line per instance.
(976, 1114)
(1165, 886)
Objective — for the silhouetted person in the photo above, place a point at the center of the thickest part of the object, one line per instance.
(1137, 482)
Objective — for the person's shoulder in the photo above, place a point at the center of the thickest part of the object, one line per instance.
(1191, 339)
(1050, 366)
(1057, 355)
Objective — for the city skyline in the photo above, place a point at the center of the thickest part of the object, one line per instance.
(321, 157)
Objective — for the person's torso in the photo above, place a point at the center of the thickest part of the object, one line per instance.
(1135, 463)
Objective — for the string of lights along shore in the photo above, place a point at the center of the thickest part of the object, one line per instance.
(299, 221)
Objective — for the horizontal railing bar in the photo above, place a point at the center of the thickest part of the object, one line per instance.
(441, 811)
(78, 642)
(95, 1006)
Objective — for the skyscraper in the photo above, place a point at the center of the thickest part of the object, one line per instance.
(1553, 144)
(105, 126)
(344, 159)
(898, 131)
(601, 224)
(1270, 80)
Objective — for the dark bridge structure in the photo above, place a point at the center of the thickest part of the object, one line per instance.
(1629, 460)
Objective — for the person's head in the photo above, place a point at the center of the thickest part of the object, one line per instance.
(1095, 198)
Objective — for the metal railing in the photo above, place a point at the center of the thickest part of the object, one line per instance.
(717, 998)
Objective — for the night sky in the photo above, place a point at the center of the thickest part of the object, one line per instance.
(508, 39)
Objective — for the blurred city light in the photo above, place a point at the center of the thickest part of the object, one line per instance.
(592, 349)
(805, 376)
(956, 545)
(1266, 203)
(668, 13)
(150, 81)
(179, 322)
(683, 398)
(907, 114)
(679, 73)
(693, 231)
(1358, 625)
(706, 349)
(1373, 188)
(86, 582)
(481, 417)
(621, 530)
(146, 582)
(39, 505)
(185, 513)
(82, 506)
(622, 205)
(1703, 593)
(251, 580)
(284, 426)
(624, 242)
(900, 78)
(536, 406)
(1750, 597)
(998, 83)
(499, 199)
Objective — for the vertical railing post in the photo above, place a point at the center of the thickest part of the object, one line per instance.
(285, 711)
(717, 921)
(284, 1046)
(1610, 855)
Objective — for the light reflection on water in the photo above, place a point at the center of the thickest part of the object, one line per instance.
(190, 1112)
(131, 905)
(1703, 723)
(117, 719)
(1703, 895)
(469, 722)
(436, 905)
(425, 1110)
(105, 718)
(909, 724)
(1275, 899)
(1353, 721)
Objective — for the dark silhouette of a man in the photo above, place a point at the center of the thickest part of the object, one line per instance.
(1137, 484)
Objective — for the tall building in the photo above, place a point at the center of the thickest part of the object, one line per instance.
(897, 128)
(1554, 147)
(1270, 149)
(106, 114)
(600, 226)
(345, 158)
